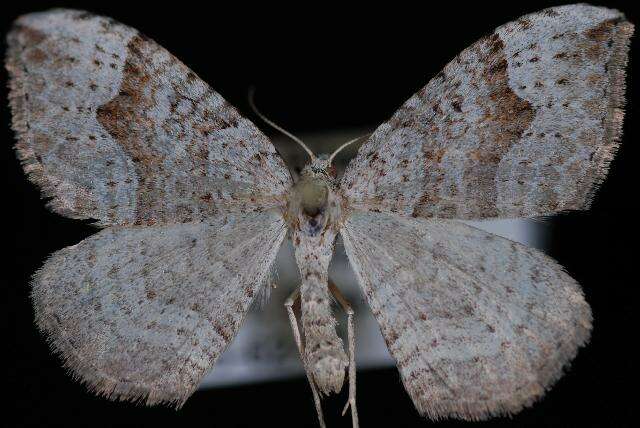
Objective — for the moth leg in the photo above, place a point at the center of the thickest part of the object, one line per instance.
(296, 334)
(346, 306)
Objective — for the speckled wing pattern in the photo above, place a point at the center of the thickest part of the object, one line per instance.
(112, 127)
(522, 123)
(478, 325)
(142, 313)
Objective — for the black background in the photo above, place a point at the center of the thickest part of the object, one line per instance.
(320, 67)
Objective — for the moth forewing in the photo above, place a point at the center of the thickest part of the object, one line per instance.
(96, 108)
(522, 123)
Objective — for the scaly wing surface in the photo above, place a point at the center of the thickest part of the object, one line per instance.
(522, 123)
(478, 325)
(112, 127)
(142, 313)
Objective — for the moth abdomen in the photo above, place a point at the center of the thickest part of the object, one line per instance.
(324, 351)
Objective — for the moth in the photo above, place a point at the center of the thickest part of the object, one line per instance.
(193, 203)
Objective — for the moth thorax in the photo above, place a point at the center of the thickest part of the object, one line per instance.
(313, 196)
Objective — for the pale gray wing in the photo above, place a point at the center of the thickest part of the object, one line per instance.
(112, 127)
(522, 123)
(142, 313)
(478, 325)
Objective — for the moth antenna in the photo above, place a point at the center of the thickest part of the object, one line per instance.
(269, 122)
(339, 149)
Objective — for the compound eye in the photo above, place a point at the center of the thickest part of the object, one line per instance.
(332, 171)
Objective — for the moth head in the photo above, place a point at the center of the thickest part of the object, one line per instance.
(319, 168)
(322, 166)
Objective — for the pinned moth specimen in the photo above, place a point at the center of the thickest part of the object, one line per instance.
(193, 203)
